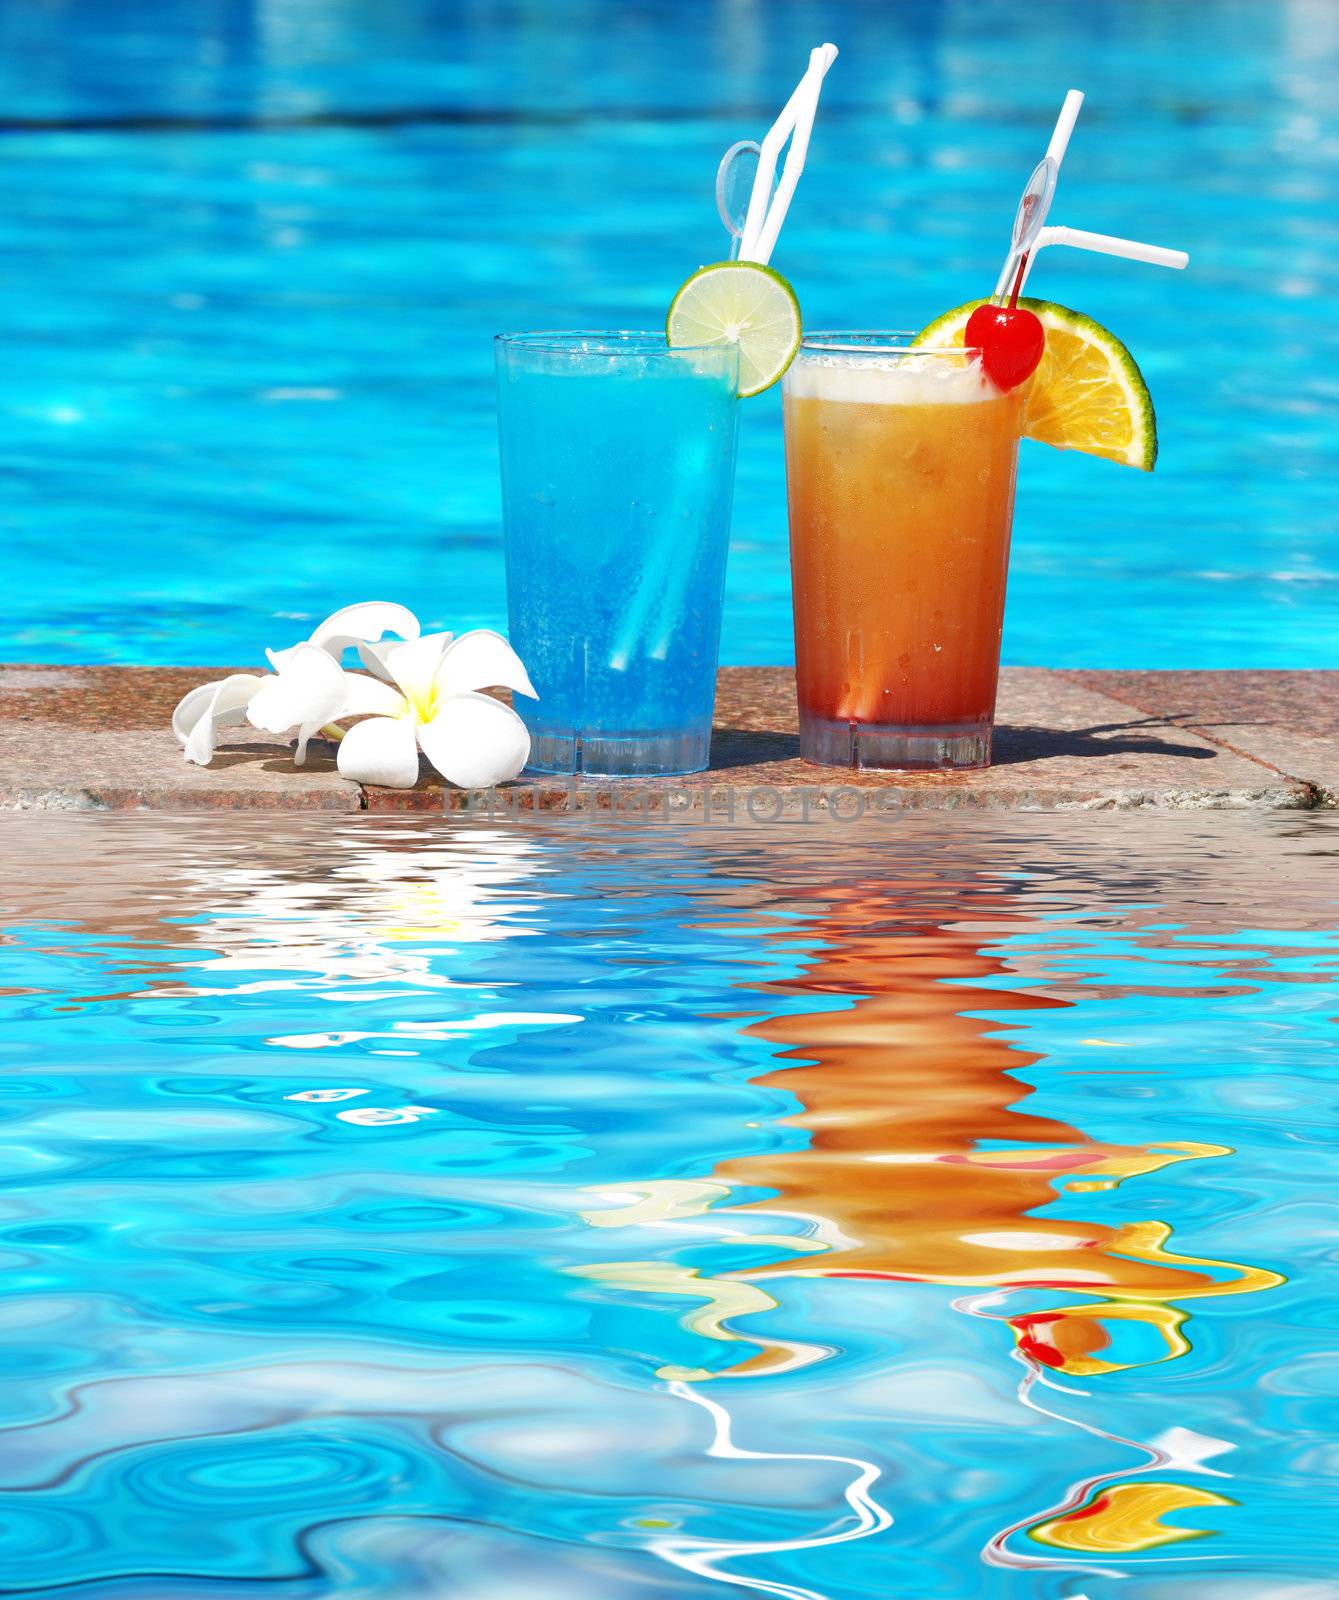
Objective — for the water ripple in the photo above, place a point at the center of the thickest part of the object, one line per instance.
(414, 1210)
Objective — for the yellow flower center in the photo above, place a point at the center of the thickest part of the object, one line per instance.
(421, 704)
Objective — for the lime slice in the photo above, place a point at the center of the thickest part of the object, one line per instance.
(1088, 393)
(740, 302)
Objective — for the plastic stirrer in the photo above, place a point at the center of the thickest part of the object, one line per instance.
(767, 211)
(734, 184)
(1040, 191)
(1028, 219)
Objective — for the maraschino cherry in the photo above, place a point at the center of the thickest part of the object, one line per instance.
(1011, 340)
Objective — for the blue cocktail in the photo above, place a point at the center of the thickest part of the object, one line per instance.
(618, 458)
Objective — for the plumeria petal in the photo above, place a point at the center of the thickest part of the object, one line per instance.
(475, 741)
(191, 707)
(364, 623)
(481, 659)
(413, 666)
(369, 697)
(364, 697)
(381, 750)
(201, 713)
(305, 732)
(373, 657)
(309, 686)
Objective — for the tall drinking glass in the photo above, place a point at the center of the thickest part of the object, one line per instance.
(900, 468)
(618, 458)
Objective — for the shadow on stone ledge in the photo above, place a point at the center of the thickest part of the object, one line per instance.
(1015, 742)
(733, 748)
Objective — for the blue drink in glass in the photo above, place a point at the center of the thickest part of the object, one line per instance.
(618, 457)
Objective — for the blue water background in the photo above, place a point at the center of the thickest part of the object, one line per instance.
(251, 254)
(409, 1339)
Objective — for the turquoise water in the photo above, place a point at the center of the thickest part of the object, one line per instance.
(406, 1210)
(618, 467)
(253, 254)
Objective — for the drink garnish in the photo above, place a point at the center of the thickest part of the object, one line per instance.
(1010, 338)
(1088, 393)
(743, 303)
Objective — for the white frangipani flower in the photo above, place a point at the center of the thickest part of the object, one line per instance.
(424, 692)
(310, 689)
(471, 739)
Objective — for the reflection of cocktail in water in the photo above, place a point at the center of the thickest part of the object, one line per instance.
(901, 469)
(618, 458)
(618, 455)
(900, 460)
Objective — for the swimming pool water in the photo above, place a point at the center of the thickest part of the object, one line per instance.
(252, 252)
(400, 1210)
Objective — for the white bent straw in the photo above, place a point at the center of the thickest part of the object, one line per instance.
(762, 223)
(1105, 244)
(1069, 115)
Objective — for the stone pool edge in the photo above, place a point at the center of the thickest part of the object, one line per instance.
(97, 738)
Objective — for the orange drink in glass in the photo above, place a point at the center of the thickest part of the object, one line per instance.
(900, 469)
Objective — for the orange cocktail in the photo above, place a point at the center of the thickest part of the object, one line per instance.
(900, 468)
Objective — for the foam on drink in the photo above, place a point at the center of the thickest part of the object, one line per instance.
(934, 379)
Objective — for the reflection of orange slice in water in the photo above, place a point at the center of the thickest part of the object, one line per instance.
(1144, 1241)
(1125, 1517)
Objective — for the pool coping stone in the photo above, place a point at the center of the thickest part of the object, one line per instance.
(97, 738)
